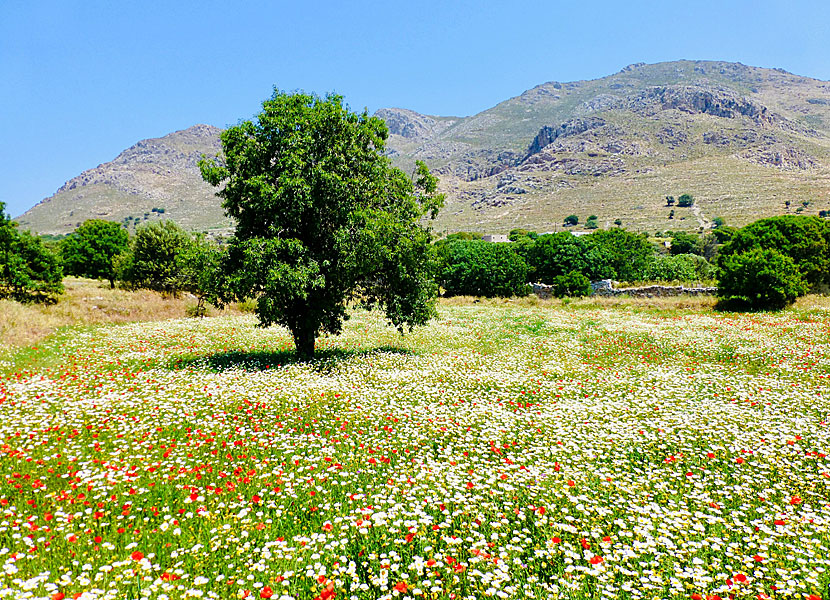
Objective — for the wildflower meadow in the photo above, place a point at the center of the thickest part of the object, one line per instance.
(501, 451)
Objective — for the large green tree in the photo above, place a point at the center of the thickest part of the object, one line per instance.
(561, 253)
(323, 218)
(629, 254)
(90, 251)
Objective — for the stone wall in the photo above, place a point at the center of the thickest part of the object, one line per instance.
(606, 288)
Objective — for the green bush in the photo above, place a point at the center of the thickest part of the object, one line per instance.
(685, 243)
(90, 250)
(152, 260)
(680, 267)
(28, 271)
(478, 268)
(805, 240)
(574, 284)
(561, 253)
(760, 279)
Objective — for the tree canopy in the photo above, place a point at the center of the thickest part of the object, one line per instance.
(323, 218)
(153, 259)
(28, 271)
(90, 251)
(479, 268)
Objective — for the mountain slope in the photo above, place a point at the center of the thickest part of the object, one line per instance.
(743, 140)
(160, 173)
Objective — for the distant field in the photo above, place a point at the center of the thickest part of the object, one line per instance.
(585, 450)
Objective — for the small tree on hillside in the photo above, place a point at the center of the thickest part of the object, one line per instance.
(571, 220)
(90, 251)
(685, 200)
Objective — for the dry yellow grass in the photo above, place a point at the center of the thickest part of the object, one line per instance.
(86, 302)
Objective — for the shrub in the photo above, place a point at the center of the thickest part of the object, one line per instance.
(805, 240)
(680, 267)
(571, 220)
(574, 284)
(477, 268)
(685, 243)
(151, 262)
(760, 279)
(685, 200)
(560, 253)
(28, 271)
(628, 254)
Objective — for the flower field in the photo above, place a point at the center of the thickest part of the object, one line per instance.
(507, 452)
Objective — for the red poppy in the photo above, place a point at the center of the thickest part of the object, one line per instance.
(401, 587)
(266, 592)
(137, 555)
(595, 560)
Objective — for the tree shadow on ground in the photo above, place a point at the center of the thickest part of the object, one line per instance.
(264, 360)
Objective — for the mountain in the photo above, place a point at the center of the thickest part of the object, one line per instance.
(747, 142)
(155, 178)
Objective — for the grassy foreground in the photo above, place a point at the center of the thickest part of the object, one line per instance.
(579, 451)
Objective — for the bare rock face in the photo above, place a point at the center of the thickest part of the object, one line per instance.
(695, 100)
(407, 123)
(547, 135)
(781, 156)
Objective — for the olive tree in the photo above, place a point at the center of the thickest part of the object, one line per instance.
(323, 218)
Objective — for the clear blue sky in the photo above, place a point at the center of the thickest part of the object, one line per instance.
(82, 80)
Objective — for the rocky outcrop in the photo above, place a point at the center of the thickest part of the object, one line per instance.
(173, 157)
(696, 100)
(547, 135)
(407, 123)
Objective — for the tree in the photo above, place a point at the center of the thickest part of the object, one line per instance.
(198, 266)
(90, 251)
(669, 200)
(478, 268)
(685, 200)
(558, 254)
(592, 223)
(151, 262)
(571, 220)
(805, 240)
(28, 271)
(761, 278)
(573, 284)
(685, 243)
(628, 254)
(323, 218)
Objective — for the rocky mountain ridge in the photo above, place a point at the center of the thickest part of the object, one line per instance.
(746, 141)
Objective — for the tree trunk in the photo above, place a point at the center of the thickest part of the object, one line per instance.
(304, 342)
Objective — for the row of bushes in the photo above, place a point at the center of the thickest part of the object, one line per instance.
(765, 265)
(160, 256)
(569, 262)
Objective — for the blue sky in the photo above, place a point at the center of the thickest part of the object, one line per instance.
(82, 81)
